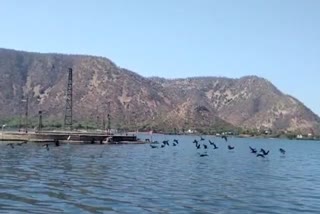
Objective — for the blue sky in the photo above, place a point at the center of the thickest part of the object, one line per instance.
(275, 39)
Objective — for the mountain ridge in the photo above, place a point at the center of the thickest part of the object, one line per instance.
(134, 101)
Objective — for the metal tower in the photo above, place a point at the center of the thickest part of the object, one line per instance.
(68, 112)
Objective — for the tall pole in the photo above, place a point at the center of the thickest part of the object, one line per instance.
(98, 119)
(151, 132)
(109, 124)
(20, 114)
(40, 121)
(104, 121)
(108, 118)
(128, 117)
(3, 126)
(68, 111)
(26, 114)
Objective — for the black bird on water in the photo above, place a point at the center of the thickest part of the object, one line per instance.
(24, 142)
(198, 146)
(11, 145)
(174, 144)
(166, 142)
(57, 143)
(203, 155)
(224, 137)
(282, 151)
(47, 146)
(253, 150)
(264, 152)
(260, 155)
(196, 142)
(176, 141)
(201, 138)
(205, 146)
(230, 147)
(163, 145)
(213, 144)
(153, 146)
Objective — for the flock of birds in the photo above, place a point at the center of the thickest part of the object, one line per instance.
(18, 144)
(198, 144)
(201, 144)
(46, 146)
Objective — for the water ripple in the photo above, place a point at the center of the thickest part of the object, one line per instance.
(137, 179)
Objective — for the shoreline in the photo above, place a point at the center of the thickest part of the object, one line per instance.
(237, 136)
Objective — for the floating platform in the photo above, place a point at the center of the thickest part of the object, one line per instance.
(70, 137)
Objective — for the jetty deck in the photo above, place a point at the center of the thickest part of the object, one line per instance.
(71, 137)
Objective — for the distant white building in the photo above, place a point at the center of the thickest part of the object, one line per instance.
(190, 131)
(299, 136)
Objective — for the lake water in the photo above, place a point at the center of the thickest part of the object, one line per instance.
(138, 179)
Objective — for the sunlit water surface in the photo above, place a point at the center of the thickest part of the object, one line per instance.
(138, 179)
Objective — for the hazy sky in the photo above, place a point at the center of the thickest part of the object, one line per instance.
(275, 39)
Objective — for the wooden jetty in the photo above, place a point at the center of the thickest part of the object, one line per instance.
(70, 137)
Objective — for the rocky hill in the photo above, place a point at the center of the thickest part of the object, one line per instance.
(101, 87)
